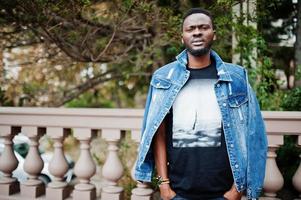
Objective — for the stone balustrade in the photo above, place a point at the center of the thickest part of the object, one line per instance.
(58, 123)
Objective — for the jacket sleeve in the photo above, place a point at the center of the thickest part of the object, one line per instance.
(146, 109)
(257, 148)
(142, 168)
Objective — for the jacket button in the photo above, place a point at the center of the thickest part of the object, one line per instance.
(231, 145)
(228, 125)
(236, 166)
(218, 85)
(224, 104)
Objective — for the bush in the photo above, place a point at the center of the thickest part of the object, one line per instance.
(292, 100)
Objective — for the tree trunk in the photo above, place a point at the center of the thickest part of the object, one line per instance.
(298, 41)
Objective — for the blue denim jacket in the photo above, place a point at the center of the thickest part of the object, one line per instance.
(243, 125)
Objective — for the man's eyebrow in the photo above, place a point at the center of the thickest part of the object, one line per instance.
(197, 25)
(191, 26)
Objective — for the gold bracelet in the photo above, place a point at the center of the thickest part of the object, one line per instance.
(165, 182)
(162, 181)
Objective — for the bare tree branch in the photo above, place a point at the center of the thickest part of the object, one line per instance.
(91, 83)
(107, 46)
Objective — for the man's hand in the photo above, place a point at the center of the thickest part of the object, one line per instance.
(166, 192)
(233, 194)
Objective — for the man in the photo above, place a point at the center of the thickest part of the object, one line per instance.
(202, 126)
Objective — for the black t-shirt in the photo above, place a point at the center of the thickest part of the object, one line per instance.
(198, 164)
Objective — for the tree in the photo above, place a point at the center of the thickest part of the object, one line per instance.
(298, 44)
(66, 49)
(278, 24)
(68, 39)
(79, 36)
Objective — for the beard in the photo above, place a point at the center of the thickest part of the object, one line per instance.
(199, 52)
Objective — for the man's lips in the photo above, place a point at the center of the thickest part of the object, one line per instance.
(197, 42)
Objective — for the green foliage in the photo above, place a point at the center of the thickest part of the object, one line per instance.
(4, 101)
(292, 100)
(298, 72)
(101, 43)
(246, 36)
(127, 4)
(222, 14)
(73, 36)
(86, 2)
(90, 99)
(264, 81)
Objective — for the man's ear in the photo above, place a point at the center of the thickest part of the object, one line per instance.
(214, 36)
(182, 40)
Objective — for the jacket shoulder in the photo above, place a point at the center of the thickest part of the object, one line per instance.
(165, 69)
(236, 70)
(235, 67)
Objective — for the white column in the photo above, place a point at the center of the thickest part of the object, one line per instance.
(112, 170)
(58, 166)
(273, 181)
(33, 164)
(297, 175)
(142, 191)
(8, 162)
(85, 167)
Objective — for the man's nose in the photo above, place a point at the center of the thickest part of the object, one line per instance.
(197, 32)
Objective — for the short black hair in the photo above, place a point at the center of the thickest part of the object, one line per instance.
(198, 10)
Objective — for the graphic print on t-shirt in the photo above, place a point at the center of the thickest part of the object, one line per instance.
(196, 115)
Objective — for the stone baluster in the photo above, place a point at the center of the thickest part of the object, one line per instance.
(58, 166)
(8, 162)
(112, 169)
(33, 165)
(142, 191)
(297, 175)
(85, 167)
(273, 181)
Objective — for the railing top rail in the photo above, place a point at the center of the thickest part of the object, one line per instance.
(277, 122)
(116, 112)
(281, 115)
(91, 118)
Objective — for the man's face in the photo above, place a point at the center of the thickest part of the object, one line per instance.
(198, 34)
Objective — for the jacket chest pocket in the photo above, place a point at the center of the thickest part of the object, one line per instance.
(237, 104)
(160, 88)
(160, 83)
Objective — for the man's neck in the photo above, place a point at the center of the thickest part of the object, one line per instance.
(198, 62)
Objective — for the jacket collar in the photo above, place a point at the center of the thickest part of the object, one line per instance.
(222, 72)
